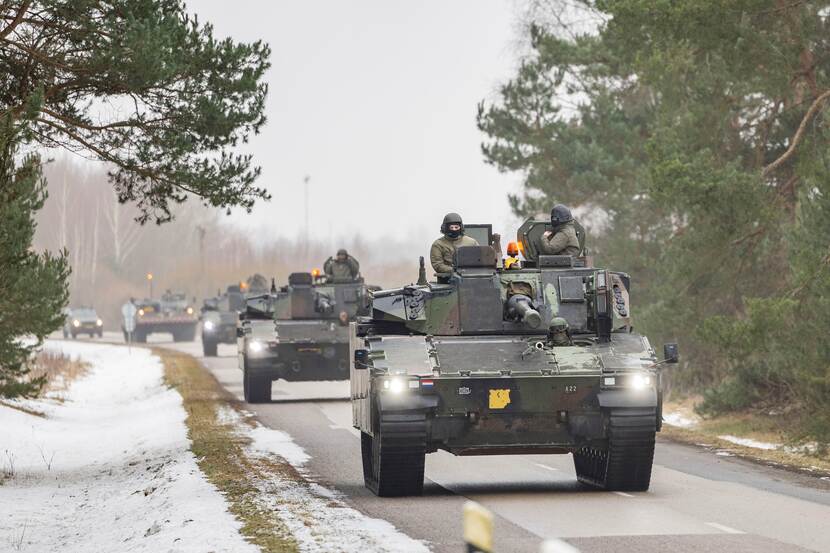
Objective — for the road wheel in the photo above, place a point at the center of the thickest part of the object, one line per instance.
(625, 464)
(257, 389)
(209, 348)
(393, 459)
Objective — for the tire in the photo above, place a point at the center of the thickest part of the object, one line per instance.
(74, 336)
(209, 348)
(139, 337)
(65, 334)
(393, 459)
(256, 389)
(101, 334)
(625, 464)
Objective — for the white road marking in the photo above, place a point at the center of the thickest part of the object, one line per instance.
(541, 466)
(624, 494)
(723, 528)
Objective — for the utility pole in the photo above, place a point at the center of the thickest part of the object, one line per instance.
(306, 180)
(201, 231)
(150, 282)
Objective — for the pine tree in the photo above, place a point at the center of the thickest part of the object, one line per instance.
(33, 287)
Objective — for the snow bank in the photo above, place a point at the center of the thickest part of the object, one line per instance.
(109, 468)
(749, 442)
(680, 420)
(318, 517)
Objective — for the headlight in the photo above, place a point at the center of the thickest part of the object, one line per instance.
(639, 381)
(190, 311)
(76, 323)
(397, 385)
(208, 325)
(99, 322)
(140, 312)
(256, 346)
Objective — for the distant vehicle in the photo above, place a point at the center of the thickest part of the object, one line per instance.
(219, 315)
(82, 320)
(299, 332)
(541, 359)
(172, 314)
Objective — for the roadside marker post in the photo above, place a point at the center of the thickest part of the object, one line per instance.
(478, 528)
(128, 312)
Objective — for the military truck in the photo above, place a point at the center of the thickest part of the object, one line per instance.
(299, 332)
(173, 314)
(540, 359)
(82, 320)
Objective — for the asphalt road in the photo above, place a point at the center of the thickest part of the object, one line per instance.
(698, 501)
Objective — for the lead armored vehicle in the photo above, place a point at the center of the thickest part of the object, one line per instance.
(491, 361)
(299, 332)
(172, 314)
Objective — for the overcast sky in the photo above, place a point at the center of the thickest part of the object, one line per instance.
(376, 101)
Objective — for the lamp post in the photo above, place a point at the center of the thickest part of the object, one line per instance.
(150, 282)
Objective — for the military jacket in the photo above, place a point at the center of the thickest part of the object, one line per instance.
(562, 242)
(442, 251)
(344, 270)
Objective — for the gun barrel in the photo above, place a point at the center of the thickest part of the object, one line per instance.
(520, 307)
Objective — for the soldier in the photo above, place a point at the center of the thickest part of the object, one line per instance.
(559, 332)
(562, 240)
(342, 267)
(442, 250)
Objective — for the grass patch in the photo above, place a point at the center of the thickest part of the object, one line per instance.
(220, 452)
(778, 429)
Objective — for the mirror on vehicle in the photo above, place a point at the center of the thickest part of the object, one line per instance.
(670, 352)
(239, 332)
(361, 358)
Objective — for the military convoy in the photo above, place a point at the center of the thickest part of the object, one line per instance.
(298, 332)
(172, 314)
(537, 359)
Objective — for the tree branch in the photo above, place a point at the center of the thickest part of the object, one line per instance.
(799, 134)
(17, 19)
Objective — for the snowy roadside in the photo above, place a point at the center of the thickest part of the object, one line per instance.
(109, 467)
(318, 517)
(262, 473)
(683, 424)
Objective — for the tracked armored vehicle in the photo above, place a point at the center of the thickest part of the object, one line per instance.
(299, 332)
(220, 314)
(540, 359)
(171, 314)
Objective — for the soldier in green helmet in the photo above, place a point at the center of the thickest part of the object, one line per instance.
(443, 249)
(341, 268)
(563, 239)
(559, 333)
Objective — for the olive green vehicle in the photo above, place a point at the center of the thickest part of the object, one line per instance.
(172, 314)
(541, 359)
(299, 332)
(220, 313)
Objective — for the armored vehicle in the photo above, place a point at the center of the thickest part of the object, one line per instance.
(172, 314)
(299, 332)
(83, 320)
(220, 313)
(537, 359)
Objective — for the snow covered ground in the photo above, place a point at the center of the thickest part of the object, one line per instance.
(109, 468)
(317, 516)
